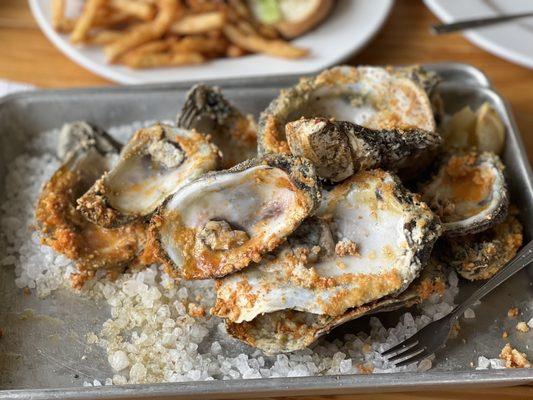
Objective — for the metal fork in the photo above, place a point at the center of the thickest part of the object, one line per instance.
(433, 336)
(476, 23)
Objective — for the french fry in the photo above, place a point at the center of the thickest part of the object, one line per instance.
(155, 46)
(155, 60)
(84, 22)
(198, 23)
(258, 44)
(105, 36)
(268, 31)
(58, 13)
(109, 18)
(199, 44)
(139, 9)
(66, 25)
(168, 9)
(240, 8)
(246, 27)
(145, 32)
(139, 35)
(234, 51)
(200, 6)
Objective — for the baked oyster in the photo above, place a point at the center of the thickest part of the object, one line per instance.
(289, 330)
(226, 220)
(88, 153)
(468, 193)
(207, 111)
(481, 255)
(374, 97)
(155, 163)
(340, 148)
(375, 237)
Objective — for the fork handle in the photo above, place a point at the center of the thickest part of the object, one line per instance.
(521, 260)
(475, 23)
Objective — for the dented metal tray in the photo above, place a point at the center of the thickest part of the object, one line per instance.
(41, 349)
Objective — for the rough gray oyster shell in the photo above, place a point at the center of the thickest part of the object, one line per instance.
(340, 148)
(80, 134)
(481, 255)
(374, 97)
(207, 111)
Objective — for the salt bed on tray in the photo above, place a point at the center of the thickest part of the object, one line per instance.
(150, 336)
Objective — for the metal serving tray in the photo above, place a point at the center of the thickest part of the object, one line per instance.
(41, 350)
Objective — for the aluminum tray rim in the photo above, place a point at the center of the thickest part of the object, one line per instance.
(479, 78)
(343, 384)
(334, 384)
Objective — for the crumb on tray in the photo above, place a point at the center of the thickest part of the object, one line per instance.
(522, 327)
(513, 312)
(513, 358)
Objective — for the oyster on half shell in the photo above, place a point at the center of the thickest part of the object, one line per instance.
(226, 220)
(155, 163)
(207, 111)
(340, 148)
(381, 237)
(468, 193)
(288, 330)
(374, 97)
(481, 255)
(88, 153)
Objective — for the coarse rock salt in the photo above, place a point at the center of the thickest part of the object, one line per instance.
(150, 337)
(119, 360)
(424, 365)
(483, 362)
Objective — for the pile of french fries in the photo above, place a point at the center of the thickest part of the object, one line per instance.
(164, 33)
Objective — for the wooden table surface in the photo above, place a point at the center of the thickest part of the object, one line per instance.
(27, 56)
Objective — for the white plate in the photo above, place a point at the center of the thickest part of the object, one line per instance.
(351, 25)
(510, 40)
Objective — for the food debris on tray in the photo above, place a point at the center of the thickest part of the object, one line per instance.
(217, 265)
(514, 358)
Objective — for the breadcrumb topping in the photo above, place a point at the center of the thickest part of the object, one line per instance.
(522, 327)
(513, 358)
(346, 247)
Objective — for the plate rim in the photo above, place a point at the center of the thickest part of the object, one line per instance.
(479, 39)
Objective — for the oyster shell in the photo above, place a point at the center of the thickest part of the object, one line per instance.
(89, 152)
(339, 148)
(207, 111)
(468, 193)
(288, 330)
(374, 97)
(481, 255)
(225, 220)
(155, 163)
(382, 236)
(78, 134)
